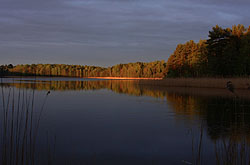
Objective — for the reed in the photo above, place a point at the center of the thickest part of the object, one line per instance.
(197, 147)
(227, 151)
(230, 151)
(20, 126)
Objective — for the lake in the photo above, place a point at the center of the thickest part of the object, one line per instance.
(49, 120)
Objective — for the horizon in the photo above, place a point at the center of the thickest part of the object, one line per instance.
(82, 64)
(107, 33)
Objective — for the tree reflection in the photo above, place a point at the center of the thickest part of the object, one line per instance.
(223, 115)
(224, 118)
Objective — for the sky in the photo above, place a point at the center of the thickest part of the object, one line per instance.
(108, 32)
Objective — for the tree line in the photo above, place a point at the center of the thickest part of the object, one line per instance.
(4, 69)
(156, 69)
(225, 53)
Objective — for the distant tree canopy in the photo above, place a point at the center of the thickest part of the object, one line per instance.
(155, 69)
(4, 69)
(225, 53)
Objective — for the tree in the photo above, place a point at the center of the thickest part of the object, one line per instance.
(216, 44)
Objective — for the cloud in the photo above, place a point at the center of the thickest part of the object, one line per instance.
(144, 30)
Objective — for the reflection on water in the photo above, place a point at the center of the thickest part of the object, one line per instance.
(223, 116)
(130, 87)
(224, 119)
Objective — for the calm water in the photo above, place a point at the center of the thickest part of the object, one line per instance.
(84, 121)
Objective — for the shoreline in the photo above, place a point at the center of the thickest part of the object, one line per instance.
(101, 78)
(123, 78)
(217, 83)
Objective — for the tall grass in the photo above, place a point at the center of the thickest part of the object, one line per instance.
(231, 151)
(227, 151)
(20, 126)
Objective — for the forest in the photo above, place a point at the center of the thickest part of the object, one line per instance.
(226, 53)
(155, 69)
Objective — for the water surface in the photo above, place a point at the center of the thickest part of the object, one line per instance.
(89, 121)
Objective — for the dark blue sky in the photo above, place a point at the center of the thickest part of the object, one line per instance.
(107, 32)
